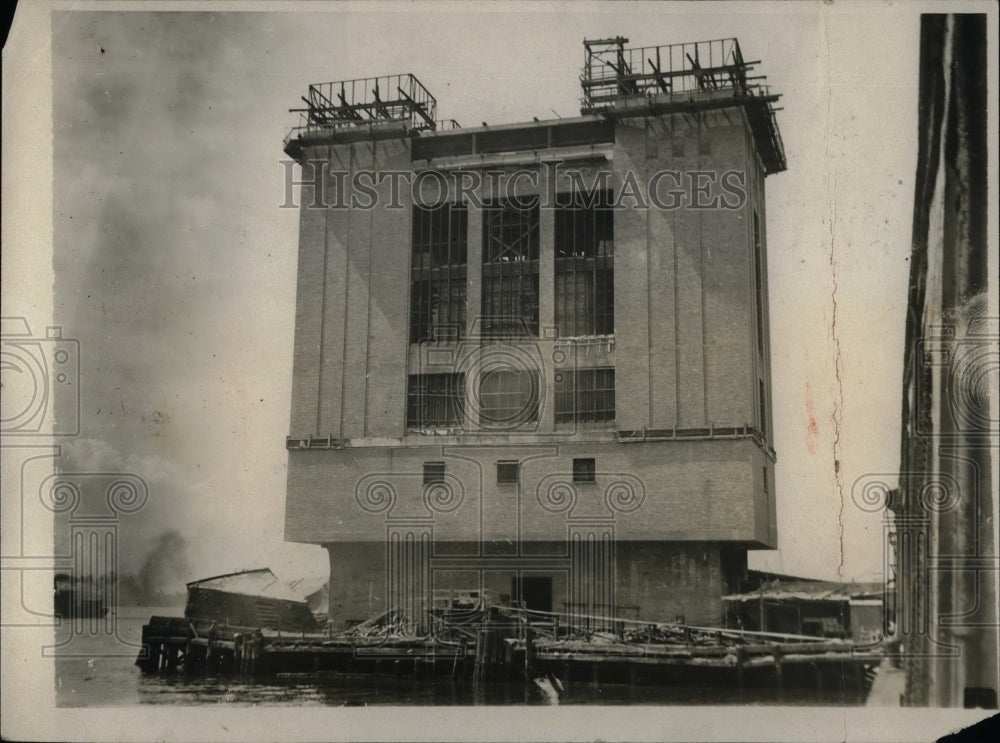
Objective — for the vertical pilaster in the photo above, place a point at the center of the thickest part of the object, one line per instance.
(409, 573)
(592, 571)
(546, 312)
(474, 269)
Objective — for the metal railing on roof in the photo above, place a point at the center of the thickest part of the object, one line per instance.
(612, 71)
(366, 102)
(701, 72)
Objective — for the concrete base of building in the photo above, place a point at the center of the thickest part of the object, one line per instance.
(649, 581)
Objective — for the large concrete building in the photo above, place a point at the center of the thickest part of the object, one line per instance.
(534, 359)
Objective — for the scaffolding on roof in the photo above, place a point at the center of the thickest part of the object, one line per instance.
(702, 74)
(369, 101)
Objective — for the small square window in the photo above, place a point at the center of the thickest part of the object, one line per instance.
(433, 472)
(508, 472)
(584, 470)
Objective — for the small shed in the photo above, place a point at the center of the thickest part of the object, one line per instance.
(806, 607)
(251, 598)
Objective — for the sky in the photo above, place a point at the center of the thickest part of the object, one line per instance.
(174, 263)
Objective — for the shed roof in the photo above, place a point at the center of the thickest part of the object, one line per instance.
(261, 582)
(811, 591)
(306, 587)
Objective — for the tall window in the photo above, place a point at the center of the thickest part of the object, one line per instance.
(586, 395)
(758, 272)
(584, 263)
(762, 401)
(510, 269)
(758, 283)
(508, 399)
(437, 288)
(435, 400)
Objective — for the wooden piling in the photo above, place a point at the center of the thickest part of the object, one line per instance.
(172, 658)
(740, 659)
(247, 653)
(477, 668)
(254, 647)
(151, 662)
(488, 654)
(778, 671)
(529, 652)
(210, 649)
(454, 660)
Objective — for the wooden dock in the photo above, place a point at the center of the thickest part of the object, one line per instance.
(491, 647)
(178, 644)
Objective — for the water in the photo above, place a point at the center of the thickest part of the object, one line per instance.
(99, 671)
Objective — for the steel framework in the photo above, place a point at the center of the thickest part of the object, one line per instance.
(346, 104)
(697, 75)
